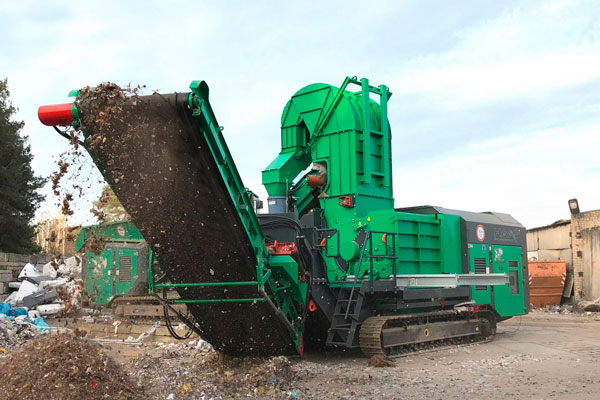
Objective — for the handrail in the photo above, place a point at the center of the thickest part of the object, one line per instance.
(362, 253)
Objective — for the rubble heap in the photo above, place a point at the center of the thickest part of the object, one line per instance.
(15, 333)
(64, 367)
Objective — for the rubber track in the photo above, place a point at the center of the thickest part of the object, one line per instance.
(151, 151)
(371, 329)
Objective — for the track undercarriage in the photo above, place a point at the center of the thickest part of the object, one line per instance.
(397, 335)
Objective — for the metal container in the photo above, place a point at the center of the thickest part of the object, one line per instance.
(546, 282)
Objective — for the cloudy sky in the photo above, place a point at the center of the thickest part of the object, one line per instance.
(496, 105)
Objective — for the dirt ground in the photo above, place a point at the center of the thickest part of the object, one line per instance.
(539, 356)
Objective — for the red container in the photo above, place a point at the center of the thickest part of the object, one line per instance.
(546, 282)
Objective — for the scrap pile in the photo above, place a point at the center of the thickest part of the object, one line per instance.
(64, 367)
(40, 292)
(16, 326)
(57, 287)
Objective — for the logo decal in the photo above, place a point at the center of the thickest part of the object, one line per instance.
(498, 253)
(480, 232)
(121, 230)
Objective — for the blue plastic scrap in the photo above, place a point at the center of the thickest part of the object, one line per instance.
(15, 312)
(6, 308)
(40, 323)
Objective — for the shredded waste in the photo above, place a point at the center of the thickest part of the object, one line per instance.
(195, 371)
(64, 367)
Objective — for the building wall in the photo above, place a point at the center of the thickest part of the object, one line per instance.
(585, 240)
(550, 243)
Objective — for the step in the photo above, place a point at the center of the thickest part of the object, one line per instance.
(343, 314)
(337, 343)
(345, 327)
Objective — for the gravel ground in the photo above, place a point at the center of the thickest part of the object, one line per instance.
(542, 355)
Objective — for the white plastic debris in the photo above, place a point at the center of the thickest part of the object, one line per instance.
(70, 267)
(11, 298)
(149, 332)
(46, 285)
(29, 270)
(49, 270)
(116, 325)
(203, 345)
(49, 309)
(33, 314)
(25, 289)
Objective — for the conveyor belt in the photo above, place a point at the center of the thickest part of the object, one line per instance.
(152, 153)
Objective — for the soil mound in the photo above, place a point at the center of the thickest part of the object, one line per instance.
(64, 367)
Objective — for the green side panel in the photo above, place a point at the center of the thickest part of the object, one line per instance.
(284, 270)
(479, 257)
(451, 244)
(419, 244)
(422, 244)
(120, 231)
(99, 276)
(125, 270)
(509, 299)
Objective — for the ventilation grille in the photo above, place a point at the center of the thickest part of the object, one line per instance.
(480, 268)
(125, 269)
(513, 279)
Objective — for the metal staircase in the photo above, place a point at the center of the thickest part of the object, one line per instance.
(347, 317)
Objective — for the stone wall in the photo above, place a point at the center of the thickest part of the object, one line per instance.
(11, 265)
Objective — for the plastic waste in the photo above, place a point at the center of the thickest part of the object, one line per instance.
(29, 270)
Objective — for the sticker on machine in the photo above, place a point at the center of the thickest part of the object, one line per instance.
(480, 232)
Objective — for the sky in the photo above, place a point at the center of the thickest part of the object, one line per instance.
(495, 106)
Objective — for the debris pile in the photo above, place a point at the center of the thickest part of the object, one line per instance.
(194, 370)
(56, 288)
(587, 306)
(64, 367)
(40, 292)
(17, 326)
(560, 309)
(577, 307)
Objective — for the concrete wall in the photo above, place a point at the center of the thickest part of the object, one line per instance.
(591, 262)
(585, 240)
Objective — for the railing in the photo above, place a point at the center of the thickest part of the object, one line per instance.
(259, 283)
(369, 238)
